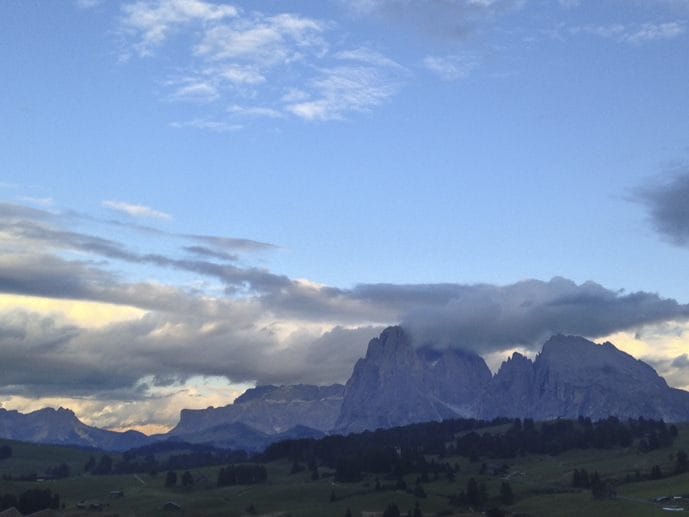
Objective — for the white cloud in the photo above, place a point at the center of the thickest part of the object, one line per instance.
(633, 33)
(153, 22)
(254, 111)
(216, 126)
(195, 91)
(656, 31)
(262, 40)
(451, 68)
(261, 65)
(368, 56)
(238, 74)
(345, 89)
(135, 210)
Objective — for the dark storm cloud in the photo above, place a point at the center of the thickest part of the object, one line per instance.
(488, 318)
(667, 203)
(40, 356)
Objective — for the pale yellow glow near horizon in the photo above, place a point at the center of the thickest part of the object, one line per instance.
(85, 314)
(656, 343)
(153, 415)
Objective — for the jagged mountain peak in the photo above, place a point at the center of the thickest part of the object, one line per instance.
(396, 384)
(61, 413)
(391, 342)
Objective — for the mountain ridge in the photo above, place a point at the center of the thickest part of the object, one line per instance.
(396, 384)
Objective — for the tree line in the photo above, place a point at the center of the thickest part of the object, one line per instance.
(31, 501)
(404, 450)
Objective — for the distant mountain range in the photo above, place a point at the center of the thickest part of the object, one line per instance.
(397, 384)
(61, 426)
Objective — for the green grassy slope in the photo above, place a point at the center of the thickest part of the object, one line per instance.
(541, 484)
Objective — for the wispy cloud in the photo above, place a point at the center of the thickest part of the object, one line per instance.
(138, 211)
(255, 61)
(216, 126)
(342, 90)
(254, 111)
(451, 68)
(153, 22)
(634, 34)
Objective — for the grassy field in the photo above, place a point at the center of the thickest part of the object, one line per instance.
(541, 484)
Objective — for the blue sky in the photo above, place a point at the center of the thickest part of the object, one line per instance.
(349, 144)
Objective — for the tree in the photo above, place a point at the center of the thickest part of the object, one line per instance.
(333, 498)
(681, 463)
(391, 511)
(5, 452)
(187, 479)
(90, 464)
(506, 494)
(599, 488)
(417, 510)
(171, 478)
(472, 492)
(348, 513)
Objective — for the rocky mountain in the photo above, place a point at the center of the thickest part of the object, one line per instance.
(237, 435)
(61, 426)
(573, 376)
(396, 384)
(269, 410)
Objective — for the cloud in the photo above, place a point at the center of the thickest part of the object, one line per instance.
(633, 33)
(451, 68)
(216, 126)
(239, 57)
(203, 251)
(453, 19)
(344, 89)
(681, 361)
(136, 210)
(153, 22)
(262, 40)
(665, 200)
(488, 318)
(258, 326)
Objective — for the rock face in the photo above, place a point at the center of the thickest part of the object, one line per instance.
(62, 427)
(396, 384)
(573, 376)
(270, 410)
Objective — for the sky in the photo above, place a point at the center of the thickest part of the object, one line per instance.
(197, 197)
